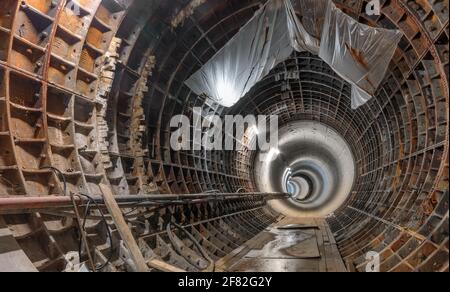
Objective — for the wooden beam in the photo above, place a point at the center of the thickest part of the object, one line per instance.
(124, 230)
(164, 267)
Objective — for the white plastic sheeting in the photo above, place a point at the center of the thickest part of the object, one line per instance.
(249, 56)
(301, 39)
(306, 27)
(358, 53)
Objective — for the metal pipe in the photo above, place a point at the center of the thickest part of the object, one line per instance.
(12, 204)
(32, 203)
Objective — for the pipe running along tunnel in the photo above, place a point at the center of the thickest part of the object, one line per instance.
(87, 92)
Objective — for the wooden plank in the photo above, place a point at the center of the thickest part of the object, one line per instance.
(275, 265)
(164, 267)
(307, 250)
(124, 230)
(287, 244)
(322, 263)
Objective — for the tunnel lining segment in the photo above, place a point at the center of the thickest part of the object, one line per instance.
(400, 138)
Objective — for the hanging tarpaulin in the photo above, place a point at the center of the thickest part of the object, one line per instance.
(248, 57)
(305, 21)
(360, 54)
(301, 39)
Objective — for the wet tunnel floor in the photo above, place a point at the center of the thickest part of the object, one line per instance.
(290, 245)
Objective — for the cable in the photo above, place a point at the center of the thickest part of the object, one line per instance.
(212, 192)
(61, 175)
(82, 226)
(86, 213)
(77, 213)
(111, 253)
(212, 265)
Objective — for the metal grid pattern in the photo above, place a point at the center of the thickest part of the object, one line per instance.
(399, 204)
(109, 124)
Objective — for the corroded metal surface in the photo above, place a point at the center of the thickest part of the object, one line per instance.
(90, 89)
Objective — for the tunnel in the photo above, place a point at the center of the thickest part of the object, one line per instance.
(89, 180)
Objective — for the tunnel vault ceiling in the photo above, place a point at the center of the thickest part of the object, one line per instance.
(92, 94)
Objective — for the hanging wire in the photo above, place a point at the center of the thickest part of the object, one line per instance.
(212, 265)
(83, 237)
(108, 230)
(82, 224)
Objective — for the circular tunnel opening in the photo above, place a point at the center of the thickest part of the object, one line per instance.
(300, 187)
(315, 163)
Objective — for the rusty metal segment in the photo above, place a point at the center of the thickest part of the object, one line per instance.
(54, 102)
